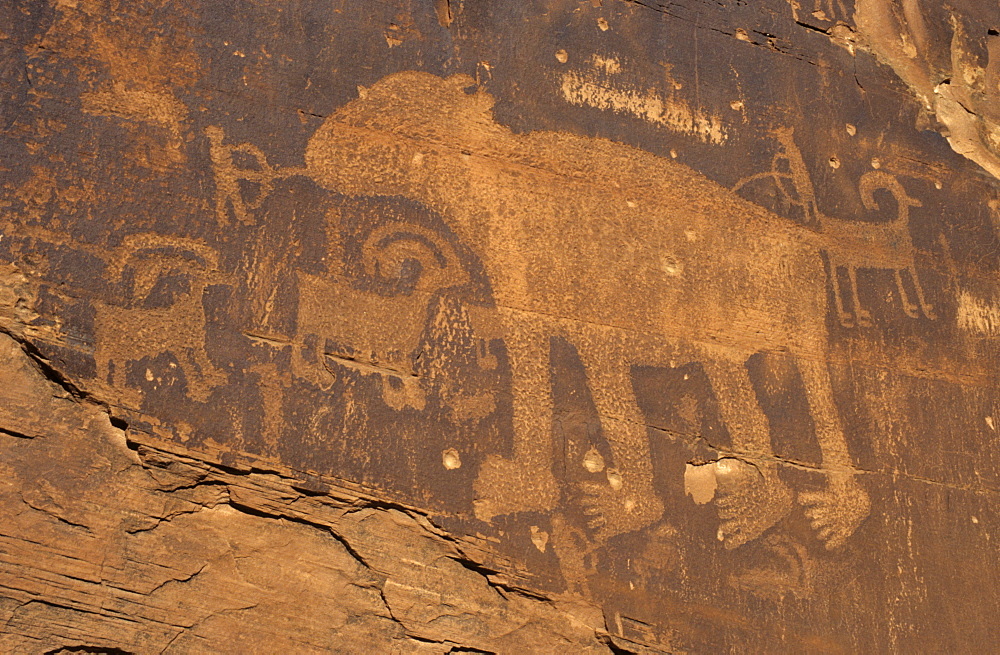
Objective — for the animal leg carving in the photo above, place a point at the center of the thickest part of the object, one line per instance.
(926, 307)
(626, 502)
(846, 318)
(199, 383)
(911, 310)
(864, 318)
(837, 511)
(751, 497)
(523, 483)
(573, 549)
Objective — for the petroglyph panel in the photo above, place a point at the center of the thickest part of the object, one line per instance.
(690, 250)
(673, 327)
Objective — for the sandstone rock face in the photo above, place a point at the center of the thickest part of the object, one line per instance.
(607, 326)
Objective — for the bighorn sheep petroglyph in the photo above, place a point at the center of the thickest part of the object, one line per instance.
(852, 244)
(634, 259)
(147, 326)
(378, 334)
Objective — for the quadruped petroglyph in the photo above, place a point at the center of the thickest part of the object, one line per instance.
(500, 326)
(633, 259)
(380, 334)
(163, 282)
(851, 245)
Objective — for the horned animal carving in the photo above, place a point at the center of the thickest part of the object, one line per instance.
(379, 334)
(852, 244)
(635, 260)
(147, 326)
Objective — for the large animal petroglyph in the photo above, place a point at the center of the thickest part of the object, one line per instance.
(635, 260)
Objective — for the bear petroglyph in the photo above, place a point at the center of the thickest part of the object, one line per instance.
(635, 260)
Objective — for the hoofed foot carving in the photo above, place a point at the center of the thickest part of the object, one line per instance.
(616, 507)
(750, 500)
(837, 511)
(506, 486)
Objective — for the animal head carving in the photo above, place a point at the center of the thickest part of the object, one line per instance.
(873, 181)
(393, 246)
(160, 270)
(415, 109)
(413, 258)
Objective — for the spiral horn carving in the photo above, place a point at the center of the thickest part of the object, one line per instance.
(389, 247)
(873, 181)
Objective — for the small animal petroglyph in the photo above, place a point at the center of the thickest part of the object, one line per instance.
(635, 260)
(237, 167)
(379, 334)
(852, 244)
(157, 319)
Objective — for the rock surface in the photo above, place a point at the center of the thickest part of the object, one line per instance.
(467, 326)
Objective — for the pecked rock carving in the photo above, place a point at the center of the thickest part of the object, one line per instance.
(166, 278)
(481, 376)
(668, 268)
(852, 244)
(379, 334)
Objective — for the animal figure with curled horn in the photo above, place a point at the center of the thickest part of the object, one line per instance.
(851, 245)
(166, 278)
